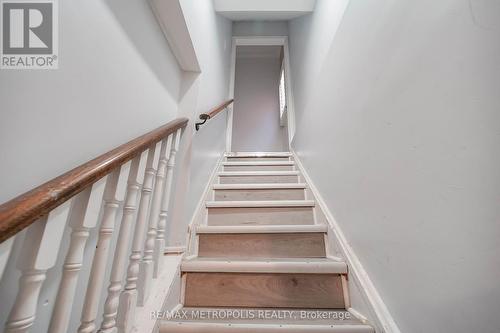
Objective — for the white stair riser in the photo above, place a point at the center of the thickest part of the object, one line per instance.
(261, 216)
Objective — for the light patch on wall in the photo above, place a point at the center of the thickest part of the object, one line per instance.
(485, 14)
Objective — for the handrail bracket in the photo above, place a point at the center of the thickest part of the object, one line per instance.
(203, 117)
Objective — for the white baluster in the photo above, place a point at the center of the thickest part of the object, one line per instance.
(162, 222)
(146, 266)
(38, 254)
(82, 218)
(128, 298)
(96, 280)
(5, 249)
(119, 267)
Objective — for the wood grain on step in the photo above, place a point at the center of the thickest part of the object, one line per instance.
(314, 291)
(258, 167)
(287, 245)
(259, 194)
(261, 216)
(255, 179)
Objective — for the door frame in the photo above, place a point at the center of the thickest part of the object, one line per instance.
(262, 40)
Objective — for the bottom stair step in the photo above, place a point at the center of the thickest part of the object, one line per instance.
(261, 320)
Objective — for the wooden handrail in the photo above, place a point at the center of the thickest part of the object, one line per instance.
(212, 113)
(20, 212)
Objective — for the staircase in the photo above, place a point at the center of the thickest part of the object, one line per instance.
(261, 262)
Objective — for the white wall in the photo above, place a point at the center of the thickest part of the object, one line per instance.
(211, 36)
(240, 10)
(310, 38)
(256, 115)
(401, 133)
(117, 79)
(260, 28)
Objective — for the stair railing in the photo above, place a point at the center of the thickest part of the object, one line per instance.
(131, 183)
(208, 115)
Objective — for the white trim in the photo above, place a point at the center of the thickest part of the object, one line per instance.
(262, 40)
(259, 40)
(274, 266)
(262, 229)
(290, 105)
(211, 327)
(367, 289)
(177, 308)
(283, 106)
(229, 123)
(259, 163)
(259, 186)
(258, 154)
(172, 22)
(258, 204)
(358, 315)
(256, 173)
(174, 250)
(200, 206)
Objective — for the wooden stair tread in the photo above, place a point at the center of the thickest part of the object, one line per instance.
(269, 186)
(260, 204)
(249, 265)
(258, 154)
(210, 327)
(258, 163)
(328, 258)
(257, 173)
(280, 316)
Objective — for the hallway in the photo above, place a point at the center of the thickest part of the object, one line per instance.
(256, 116)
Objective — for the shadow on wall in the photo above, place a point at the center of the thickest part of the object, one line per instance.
(144, 34)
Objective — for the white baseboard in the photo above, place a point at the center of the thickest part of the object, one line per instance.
(174, 249)
(202, 204)
(381, 314)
